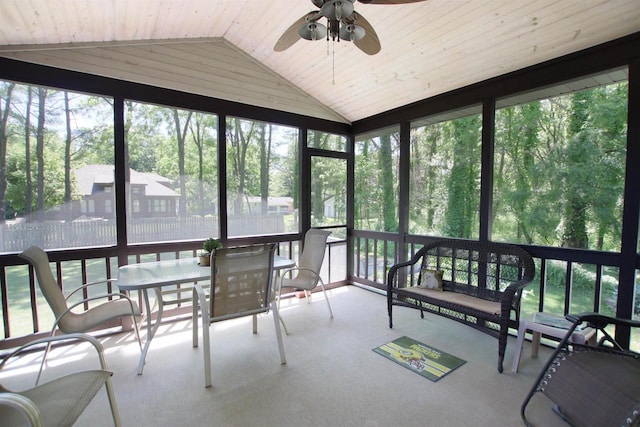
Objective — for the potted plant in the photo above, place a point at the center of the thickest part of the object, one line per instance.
(208, 247)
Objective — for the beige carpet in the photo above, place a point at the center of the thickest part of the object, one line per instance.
(332, 376)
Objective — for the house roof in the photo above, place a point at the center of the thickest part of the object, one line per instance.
(155, 185)
(224, 48)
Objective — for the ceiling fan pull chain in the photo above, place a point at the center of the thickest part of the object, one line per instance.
(333, 64)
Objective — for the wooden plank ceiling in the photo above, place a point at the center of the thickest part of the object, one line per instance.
(224, 48)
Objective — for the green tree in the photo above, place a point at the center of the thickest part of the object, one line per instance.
(239, 136)
(27, 153)
(264, 140)
(462, 188)
(181, 122)
(67, 157)
(608, 119)
(4, 139)
(365, 176)
(318, 179)
(577, 179)
(199, 126)
(389, 205)
(42, 97)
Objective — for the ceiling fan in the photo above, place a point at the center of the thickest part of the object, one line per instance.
(343, 22)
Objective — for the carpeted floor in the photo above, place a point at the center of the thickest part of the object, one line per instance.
(332, 376)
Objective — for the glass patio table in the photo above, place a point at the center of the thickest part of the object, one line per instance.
(155, 275)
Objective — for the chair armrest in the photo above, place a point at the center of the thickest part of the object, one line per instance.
(600, 321)
(284, 272)
(394, 268)
(86, 285)
(23, 405)
(97, 297)
(71, 307)
(279, 284)
(292, 269)
(65, 337)
(199, 295)
(511, 290)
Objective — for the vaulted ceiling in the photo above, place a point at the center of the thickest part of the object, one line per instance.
(224, 48)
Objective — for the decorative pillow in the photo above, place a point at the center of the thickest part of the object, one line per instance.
(431, 279)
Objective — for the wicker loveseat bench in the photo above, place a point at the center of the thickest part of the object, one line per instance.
(476, 283)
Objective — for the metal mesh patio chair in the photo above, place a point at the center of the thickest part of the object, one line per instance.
(67, 317)
(241, 280)
(307, 272)
(592, 385)
(59, 402)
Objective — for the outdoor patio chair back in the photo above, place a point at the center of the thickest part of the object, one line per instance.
(241, 279)
(306, 275)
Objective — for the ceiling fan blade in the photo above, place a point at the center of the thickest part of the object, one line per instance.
(290, 36)
(390, 1)
(370, 43)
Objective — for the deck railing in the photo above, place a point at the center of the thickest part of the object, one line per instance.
(567, 280)
(26, 314)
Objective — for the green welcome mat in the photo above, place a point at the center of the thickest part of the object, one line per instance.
(427, 361)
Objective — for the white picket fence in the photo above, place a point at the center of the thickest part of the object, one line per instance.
(15, 237)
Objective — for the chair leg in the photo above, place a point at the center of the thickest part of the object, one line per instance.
(206, 342)
(284, 325)
(326, 297)
(277, 320)
(522, 330)
(44, 356)
(135, 326)
(112, 403)
(278, 298)
(199, 301)
(194, 316)
(134, 322)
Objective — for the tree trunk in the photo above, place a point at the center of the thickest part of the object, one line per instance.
(4, 117)
(181, 133)
(389, 207)
(42, 98)
(67, 159)
(264, 139)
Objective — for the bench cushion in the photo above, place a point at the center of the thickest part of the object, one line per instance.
(491, 307)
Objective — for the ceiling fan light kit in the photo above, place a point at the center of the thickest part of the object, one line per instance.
(351, 32)
(312, 31)
(337, 9)
(343, 22)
